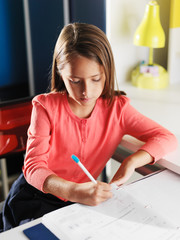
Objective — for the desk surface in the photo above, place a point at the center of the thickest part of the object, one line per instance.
(141, 194)
(136, 211)
(17, 233)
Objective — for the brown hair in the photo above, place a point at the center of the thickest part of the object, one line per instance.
(88, 41)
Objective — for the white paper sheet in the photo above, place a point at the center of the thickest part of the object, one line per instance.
(130, 214)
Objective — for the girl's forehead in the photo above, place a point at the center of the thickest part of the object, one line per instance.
(83, 66)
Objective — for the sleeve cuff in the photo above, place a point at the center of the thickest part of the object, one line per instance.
(38, 178)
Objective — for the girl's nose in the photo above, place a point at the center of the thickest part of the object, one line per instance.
(84, 94)
(85, 90)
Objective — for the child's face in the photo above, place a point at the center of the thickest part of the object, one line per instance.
(84, 80)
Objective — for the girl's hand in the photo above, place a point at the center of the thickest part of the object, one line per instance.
(128, 166)
(123, 174)
(90, 193)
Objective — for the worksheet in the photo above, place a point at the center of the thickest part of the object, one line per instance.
(130, 214)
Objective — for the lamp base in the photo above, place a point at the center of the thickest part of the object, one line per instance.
(150, 76)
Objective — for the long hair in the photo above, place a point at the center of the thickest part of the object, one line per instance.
(88, 41)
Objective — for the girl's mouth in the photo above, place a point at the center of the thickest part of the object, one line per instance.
(85, 99)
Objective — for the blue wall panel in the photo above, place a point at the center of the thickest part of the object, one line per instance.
(89, 11)
(46, 20)
(4, 45)
(13, 67)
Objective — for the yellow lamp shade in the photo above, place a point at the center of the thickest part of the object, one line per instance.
(150, 32)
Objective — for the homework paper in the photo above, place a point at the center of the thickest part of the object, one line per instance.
(128, 215)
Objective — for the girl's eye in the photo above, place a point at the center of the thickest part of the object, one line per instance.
(96, 80)
(73, 81)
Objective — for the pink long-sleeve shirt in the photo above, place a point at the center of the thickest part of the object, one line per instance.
(55, 133)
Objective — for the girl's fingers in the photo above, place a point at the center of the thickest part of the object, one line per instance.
(104, 191)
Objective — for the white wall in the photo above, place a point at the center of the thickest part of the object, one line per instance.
(123, 17)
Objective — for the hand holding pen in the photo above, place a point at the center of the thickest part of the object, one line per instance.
(94, 192)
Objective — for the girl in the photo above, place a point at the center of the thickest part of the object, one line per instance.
(85, 116)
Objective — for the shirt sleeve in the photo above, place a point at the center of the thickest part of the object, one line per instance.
(37, 151)
(158, 140)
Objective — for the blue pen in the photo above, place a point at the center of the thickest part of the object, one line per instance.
(76, 159)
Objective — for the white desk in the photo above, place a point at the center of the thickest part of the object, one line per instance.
(136, 211)
(17, 233)
(144, 194)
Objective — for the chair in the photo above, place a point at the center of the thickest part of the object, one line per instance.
(14, 121)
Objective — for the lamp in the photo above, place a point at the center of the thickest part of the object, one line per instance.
(150, 34)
